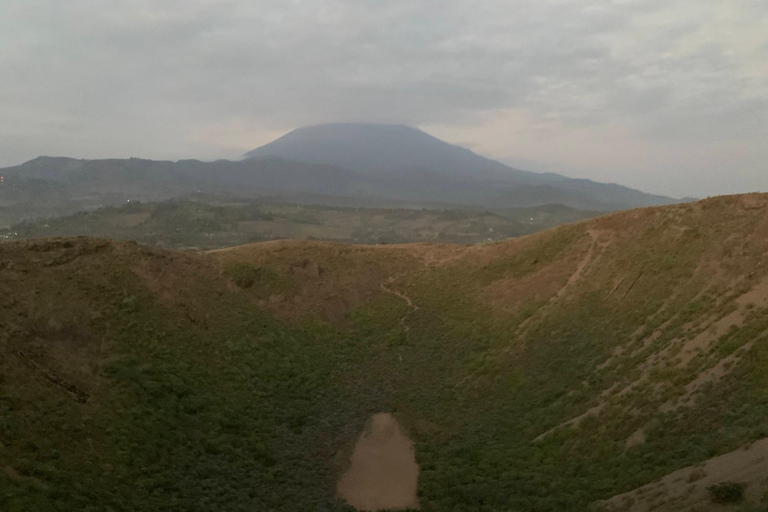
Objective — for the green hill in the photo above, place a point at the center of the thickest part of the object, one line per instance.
(545, 373)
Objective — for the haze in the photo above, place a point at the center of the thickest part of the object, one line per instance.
(669, 97)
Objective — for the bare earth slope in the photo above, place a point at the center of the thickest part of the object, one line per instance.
(383, 473)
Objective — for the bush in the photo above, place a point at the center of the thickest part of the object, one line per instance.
(726, 493)
(244, 275)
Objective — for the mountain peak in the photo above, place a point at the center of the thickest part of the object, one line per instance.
(416, 160)
(376, 148)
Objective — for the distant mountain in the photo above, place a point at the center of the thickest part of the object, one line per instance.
(580, 194)
(351, 164)
(52, 186)
(409, 154)
(392, 149)
(139, 177)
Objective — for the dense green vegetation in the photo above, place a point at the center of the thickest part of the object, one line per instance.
(204, 404)
(239, 379)
(220, 222)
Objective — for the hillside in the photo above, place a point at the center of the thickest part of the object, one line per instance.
(210, 222)
(547, 373)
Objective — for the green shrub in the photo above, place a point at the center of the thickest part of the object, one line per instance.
(726, 493)
(244, 275)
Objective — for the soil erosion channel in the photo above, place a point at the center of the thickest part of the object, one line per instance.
(383, 473)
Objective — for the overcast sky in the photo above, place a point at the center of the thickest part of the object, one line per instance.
(668, 96)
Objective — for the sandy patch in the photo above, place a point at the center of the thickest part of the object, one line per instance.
(636, 439)
(383, 473)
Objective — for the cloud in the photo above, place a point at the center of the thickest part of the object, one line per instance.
(146, 77)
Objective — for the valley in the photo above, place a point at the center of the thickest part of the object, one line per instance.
(569, 369)
(210, 222)
(384, 256)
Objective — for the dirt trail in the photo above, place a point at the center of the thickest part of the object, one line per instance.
(383, 472)
(578, 274)
(599, 240)
(412, 308)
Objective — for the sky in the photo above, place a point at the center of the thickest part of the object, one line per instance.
(667, 96)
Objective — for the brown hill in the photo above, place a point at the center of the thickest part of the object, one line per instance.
(545, 373)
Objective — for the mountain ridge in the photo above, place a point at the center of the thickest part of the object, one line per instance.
(54, 186)
(382, 149)
(353, 163)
